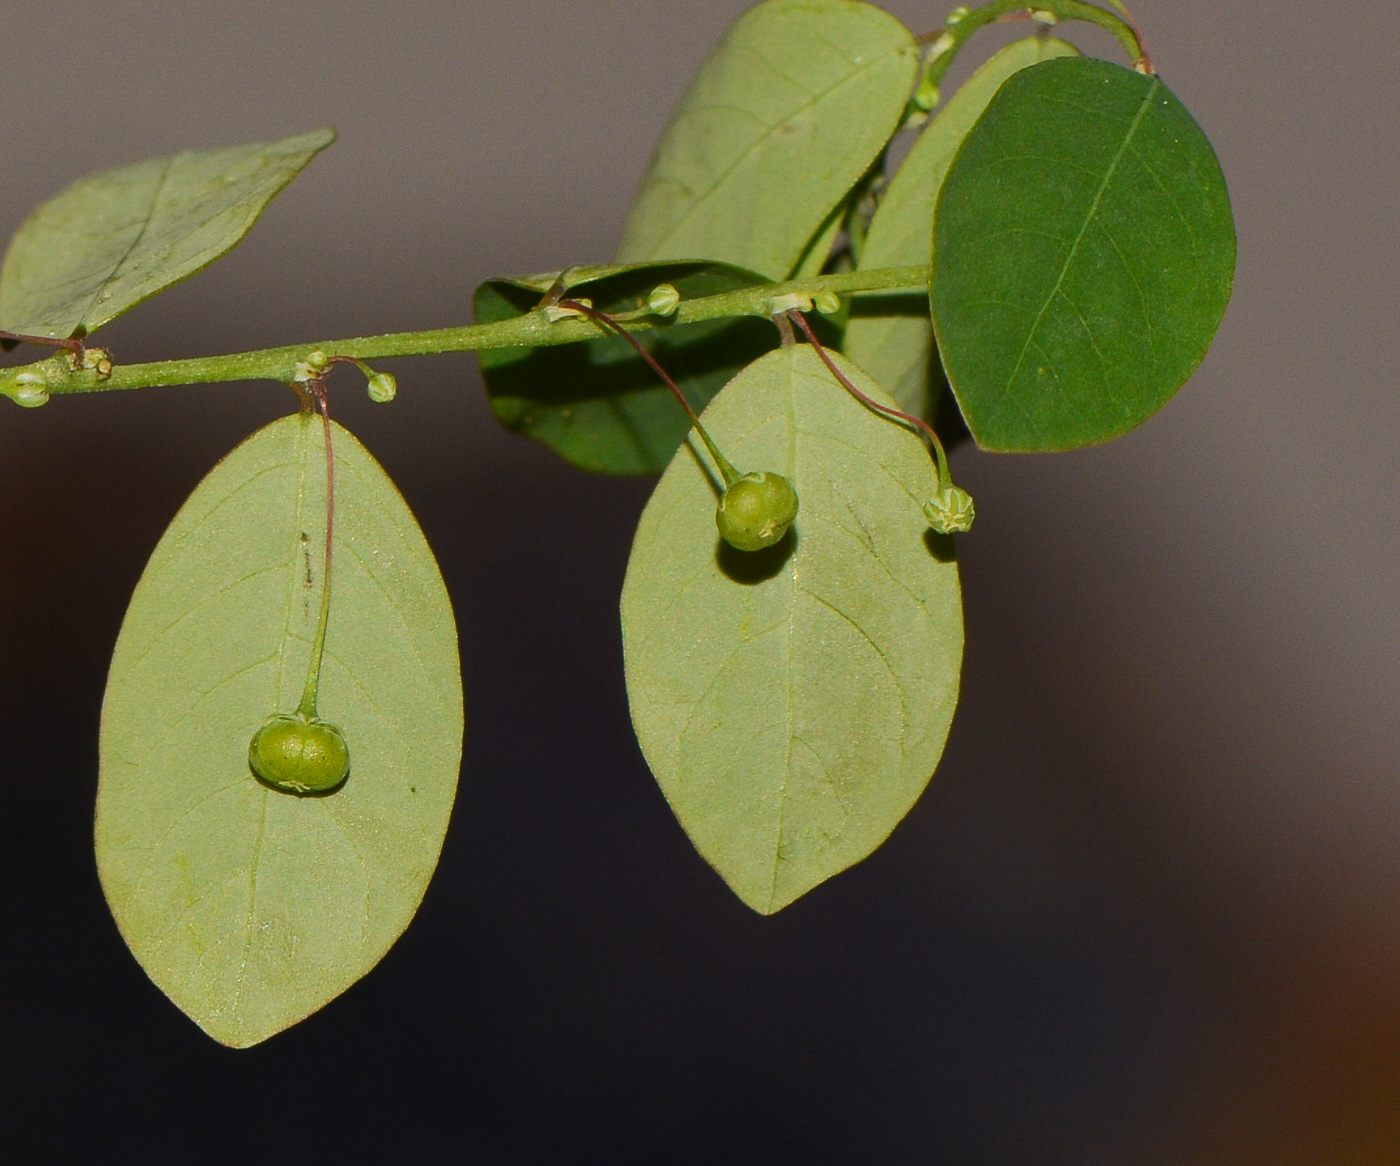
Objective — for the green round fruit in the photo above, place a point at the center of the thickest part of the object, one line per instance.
(950, 511)
(756, 511)
(298, 755)
(382, 387)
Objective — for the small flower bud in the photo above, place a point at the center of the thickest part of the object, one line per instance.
(789, 302)
(31, 390)
(318, 361)
(663, 300)
(30, 396)
(950, 511)
(827, 303)
(941, 46)
(554, 312)
(756, 511)
(95, 359)
(382, 387)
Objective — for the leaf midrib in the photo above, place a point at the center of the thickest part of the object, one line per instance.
(1083, 230)
(702, 199)
(111, 277)
(790, 410)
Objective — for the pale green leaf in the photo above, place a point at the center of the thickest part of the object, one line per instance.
(784, 117)
(818, 249)
(891, 336)
(794, 702)
(248, 907)
(114, 239)
(1084, 256)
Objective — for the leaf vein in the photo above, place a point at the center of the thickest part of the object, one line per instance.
(146, 221)
(1088, 221)
(816, 98)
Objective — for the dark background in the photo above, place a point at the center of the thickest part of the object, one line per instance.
(1149, 909)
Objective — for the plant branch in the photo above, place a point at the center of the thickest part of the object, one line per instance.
(532, 330)
(957, 33)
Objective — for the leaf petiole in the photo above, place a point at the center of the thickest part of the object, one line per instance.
(71, 343)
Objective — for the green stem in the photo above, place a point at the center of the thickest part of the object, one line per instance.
(532, 330)
(918, 424)
(726, 468)
(307, 708)
(957, 33)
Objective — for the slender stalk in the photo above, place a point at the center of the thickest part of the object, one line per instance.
(608, 322)
(307, 708)
(957, 33)
(727, 471)
(532, 330)
(918, 424)
(72, 345)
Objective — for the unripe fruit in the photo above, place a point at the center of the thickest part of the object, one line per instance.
(298, 755)
(950, 511)
(382, 388)
(756, 511)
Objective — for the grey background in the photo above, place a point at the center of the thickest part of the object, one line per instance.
(1148, 911)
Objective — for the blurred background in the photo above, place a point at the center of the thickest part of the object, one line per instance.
(1149, 909)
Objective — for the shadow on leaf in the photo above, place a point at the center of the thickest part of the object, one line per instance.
(750, 567)
(940, 546)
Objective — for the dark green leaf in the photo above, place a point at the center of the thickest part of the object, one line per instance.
(890, 336)
(598, 404)
(116, 238)
(793, 702)
(1084, 256)
(788, 112)
(248, 907)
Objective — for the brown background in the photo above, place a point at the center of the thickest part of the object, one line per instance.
(1149, 910)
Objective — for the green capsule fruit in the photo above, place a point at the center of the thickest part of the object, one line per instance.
(298, 755)
(756, 511)
(950, 511)
(382, 388)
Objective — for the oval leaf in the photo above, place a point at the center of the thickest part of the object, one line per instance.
(248, 907)
(788, 112)
(1084, 256)
(598, 404)
(114, 239)
(890, 336)
(794, 702)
